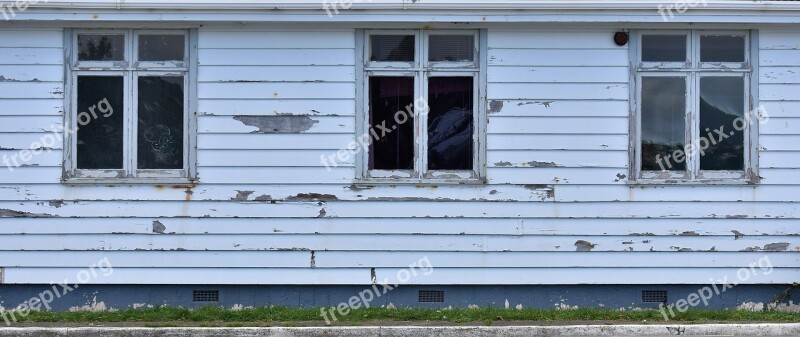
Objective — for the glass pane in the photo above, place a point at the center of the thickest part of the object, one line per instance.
(721, 48)
(160, 128)
(453, 48)
(162, 47)
(722, 123)
(392, 48)
(663, 123)
(391, 117)
(664, 48)
(450, 123)
(99, 122)
(101, 47)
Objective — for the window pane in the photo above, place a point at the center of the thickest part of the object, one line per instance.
(663, 123)
(160, 128)
(453, 48)
(99, 122)
(721, 48)
(664, 48)
(101, 47)
(450, 123)
(721, 104)
(391, 117)
(392, 48)
(162, 47)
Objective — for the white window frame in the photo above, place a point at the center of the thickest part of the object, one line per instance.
(131, 69)
(421, 70)
(693, 70)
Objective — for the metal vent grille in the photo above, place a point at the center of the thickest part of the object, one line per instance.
(205, 296)
(654, 296)
(431, 296)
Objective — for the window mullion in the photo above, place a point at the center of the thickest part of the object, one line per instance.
(421, 122)
(420, 119)
(131, 103)
(693, 124)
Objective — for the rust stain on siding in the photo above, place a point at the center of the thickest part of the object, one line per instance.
(278, 124)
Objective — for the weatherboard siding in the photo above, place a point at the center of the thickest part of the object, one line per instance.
(557, 207)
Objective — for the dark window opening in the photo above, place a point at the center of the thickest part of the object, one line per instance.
(722, 123)
(722, 48)
(451, 48)
(391, 101)
(663, 123)
(100, 122)
(392, 48)
(101, 47)
(161, 119)
(162, 47)
(664, 48)
(450, 123)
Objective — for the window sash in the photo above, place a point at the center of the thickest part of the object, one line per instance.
(421, 70)
(130, 71)
(693, 52)
(694, 71)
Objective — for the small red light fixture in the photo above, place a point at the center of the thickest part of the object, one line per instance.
(621, 38)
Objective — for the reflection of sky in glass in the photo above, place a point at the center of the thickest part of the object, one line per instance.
(663, 109)
(724, 93)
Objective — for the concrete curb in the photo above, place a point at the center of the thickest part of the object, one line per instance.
(413, 331)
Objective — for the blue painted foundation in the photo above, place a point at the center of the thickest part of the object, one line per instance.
(607, 296)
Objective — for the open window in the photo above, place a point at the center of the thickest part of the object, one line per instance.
(129, 99)
(421, 106)
(695, 119)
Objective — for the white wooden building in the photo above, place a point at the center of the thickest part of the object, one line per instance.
(523, 146)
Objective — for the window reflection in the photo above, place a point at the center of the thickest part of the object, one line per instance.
(450, 123)
(721, 103)
(663, 123)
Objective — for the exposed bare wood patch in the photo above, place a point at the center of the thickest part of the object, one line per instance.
(10, 213)
(584, 246)
(242, 195)
(538, 164)
(278, 124)
(312, 197)
(158, 227)
(4, 79)
(264, 198)
(495, 106)
(546, 104)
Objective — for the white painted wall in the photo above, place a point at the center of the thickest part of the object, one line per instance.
(564, 96)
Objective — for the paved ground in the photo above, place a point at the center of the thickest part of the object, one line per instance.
(761, 330)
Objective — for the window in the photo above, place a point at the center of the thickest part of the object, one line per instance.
(421, 112)
(694, 116)
(129, 105)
